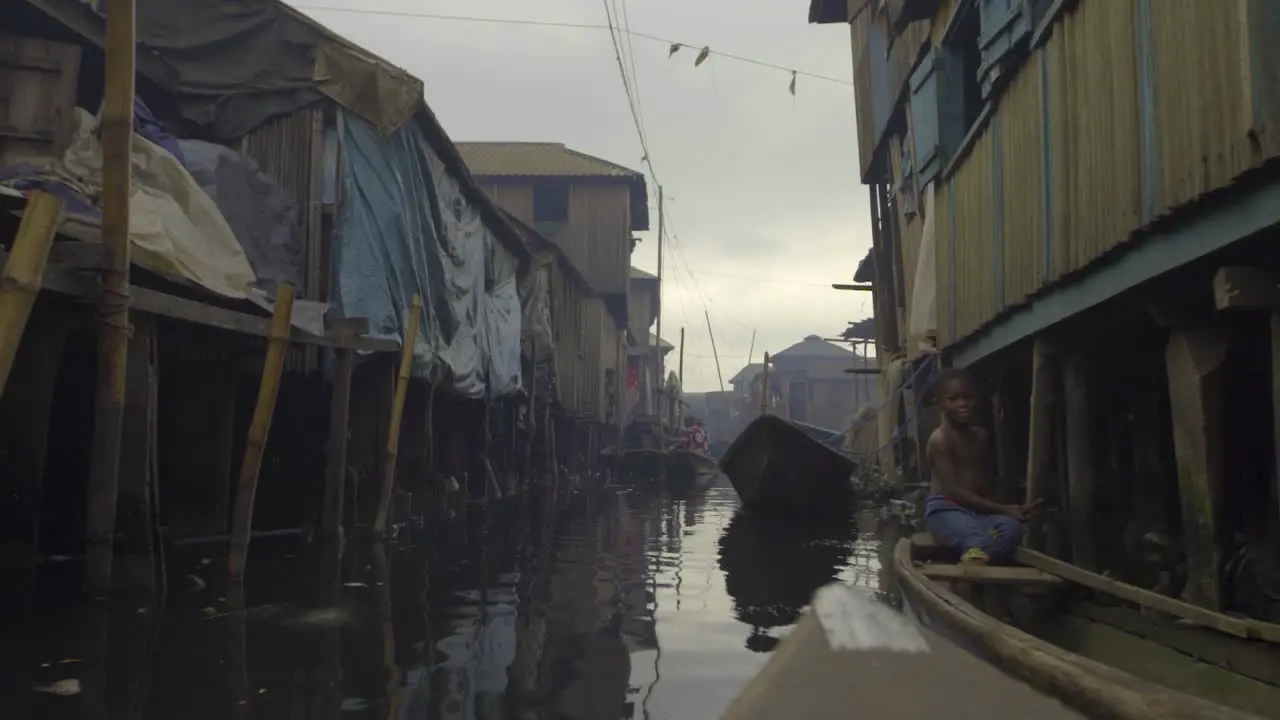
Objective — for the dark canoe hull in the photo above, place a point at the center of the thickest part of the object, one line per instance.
(1125, 689)
(689, 472)
(641, 462)
(776, 466)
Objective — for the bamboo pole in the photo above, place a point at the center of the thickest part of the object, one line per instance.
(259, 429)
(113, 334)
(23, 273)
(397, 415)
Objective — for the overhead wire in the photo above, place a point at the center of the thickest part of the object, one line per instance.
(574, 26)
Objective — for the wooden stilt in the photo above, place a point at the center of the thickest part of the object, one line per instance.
(382, 571)
(26, 411)
(1081, 468)
(113, 335)
(336, 469)
(1195, 359)
(1275, 409)
(259, 429)
(136, 451)
(397, 414)
(1040, 446)
(23, 273)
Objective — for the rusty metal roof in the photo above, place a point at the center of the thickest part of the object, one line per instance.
(534, 159)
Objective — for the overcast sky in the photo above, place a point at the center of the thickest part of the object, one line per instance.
(763, 197)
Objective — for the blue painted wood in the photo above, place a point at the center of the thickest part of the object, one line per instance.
(882, 91)
(997, 210)
(1251, 211)
(925, 117)
(1149, 149)
(1005, 26)
(906, 188)
(1046, 147)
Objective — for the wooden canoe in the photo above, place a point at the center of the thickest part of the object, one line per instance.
(777, 467)
(852, 657)
(689, 471)
(1066, 633)
(641, 462)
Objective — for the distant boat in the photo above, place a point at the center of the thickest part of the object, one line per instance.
(778, 466)
(689, 471)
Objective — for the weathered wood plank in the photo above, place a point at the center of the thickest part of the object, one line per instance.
(1040, 442)
(66, 274)
(1208, 618)
(1246, 288)
(1081, 469)
(1195, 359)
(990, 574)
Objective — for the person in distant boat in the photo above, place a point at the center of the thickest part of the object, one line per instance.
(959, 512)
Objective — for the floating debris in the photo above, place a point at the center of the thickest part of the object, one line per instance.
(64, 688)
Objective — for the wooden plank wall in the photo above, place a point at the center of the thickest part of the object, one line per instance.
(1095, 132)
(290, 150)
(975, 241)
(1022, 187)
(1202, 88)
(1136, 109)
(598, 236)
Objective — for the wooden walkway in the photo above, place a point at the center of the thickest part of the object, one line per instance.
(886, 668)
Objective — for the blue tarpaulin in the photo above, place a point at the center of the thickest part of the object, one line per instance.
(404, 227)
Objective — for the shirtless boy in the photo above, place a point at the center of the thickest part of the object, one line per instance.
(959, 512)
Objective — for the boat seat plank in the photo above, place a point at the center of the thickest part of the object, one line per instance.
(1250, 629)
(990, 574)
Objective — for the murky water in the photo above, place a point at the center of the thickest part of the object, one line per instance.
(617, 605)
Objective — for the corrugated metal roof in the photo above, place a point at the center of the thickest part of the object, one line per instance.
(530, 159)
(638, 274)
(813, 346)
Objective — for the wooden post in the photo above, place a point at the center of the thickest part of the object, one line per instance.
(382, 573)
(1040, 443)
(335, 477)
(1081, 468)
(259, 429)
(137, 451)
(113, 335)
(1195, 359)
(764, 386)
(397, 414)
(23, 273)
(1253, 288)
(1275, 409)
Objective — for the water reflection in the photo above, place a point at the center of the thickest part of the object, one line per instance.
(614, 605)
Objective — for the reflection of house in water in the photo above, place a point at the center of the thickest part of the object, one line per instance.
(597, 616)
(469, 679)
